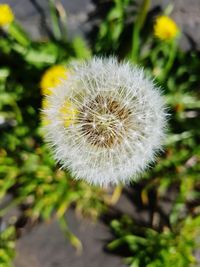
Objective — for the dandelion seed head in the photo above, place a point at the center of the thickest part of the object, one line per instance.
(106, 121)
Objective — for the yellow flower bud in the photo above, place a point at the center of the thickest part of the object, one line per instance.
(165, 28)
(6, 15)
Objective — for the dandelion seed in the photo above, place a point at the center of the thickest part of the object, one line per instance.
(106, 121)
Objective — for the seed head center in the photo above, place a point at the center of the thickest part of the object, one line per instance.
(104, 121)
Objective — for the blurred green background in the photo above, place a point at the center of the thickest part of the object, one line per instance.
(30, 180)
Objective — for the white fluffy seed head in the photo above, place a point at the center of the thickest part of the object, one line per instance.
(105, 122)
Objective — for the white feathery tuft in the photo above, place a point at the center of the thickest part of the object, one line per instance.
(105, 122)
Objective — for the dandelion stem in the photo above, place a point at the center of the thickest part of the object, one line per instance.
(116, 194)
(137, 27)
(170, 62)
(18, 34)
(54, 20)
(72, 238)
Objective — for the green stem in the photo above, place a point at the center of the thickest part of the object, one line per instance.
(63, 20)
(137, 27)
(17, 111)
(55, 20)
(72, 238)
(135, 43)
(169, 63)
(18, 34)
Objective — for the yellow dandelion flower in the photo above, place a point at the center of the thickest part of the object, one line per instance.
(165, 28)
(51, 78)
(6, 15)
(68, 113)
